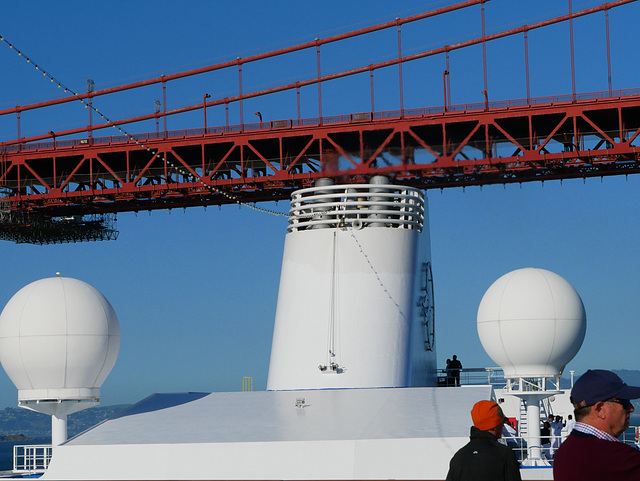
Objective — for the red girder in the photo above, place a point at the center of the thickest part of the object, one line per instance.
(514, 141)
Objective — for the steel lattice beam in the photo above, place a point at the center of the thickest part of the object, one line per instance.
(508, 142)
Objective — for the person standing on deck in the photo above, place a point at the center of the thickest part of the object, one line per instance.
(556, 432)
(568, 427)
(448, 372)
(455, 365)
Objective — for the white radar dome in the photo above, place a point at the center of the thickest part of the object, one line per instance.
(531, 322)
(59, 339)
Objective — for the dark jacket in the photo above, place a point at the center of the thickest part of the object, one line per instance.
(484, 458)
(545, 433)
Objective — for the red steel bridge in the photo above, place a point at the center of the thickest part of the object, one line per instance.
(80, 172)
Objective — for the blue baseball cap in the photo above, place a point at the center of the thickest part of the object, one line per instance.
(599, 385)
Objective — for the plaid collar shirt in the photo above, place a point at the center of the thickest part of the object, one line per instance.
(588, 429)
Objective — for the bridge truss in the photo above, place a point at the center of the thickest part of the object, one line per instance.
(499, 142)
(51, 179)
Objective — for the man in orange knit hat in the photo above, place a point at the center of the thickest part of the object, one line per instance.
(483, 457)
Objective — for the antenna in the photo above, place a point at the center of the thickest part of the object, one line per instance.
(61, 339)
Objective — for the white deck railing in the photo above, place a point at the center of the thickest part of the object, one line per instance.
(474, 376)
(35, 458)
(518, 444)
(31, 458)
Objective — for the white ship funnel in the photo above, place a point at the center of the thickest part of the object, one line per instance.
(345, 315)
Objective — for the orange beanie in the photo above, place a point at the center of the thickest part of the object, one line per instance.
(486, 415)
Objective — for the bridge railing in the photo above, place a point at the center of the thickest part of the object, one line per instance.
(329, 120)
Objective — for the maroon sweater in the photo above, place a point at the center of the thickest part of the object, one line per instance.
(587, 458)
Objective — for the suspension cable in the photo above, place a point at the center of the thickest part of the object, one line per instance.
(178, 168)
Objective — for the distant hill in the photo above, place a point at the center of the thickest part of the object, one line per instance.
(15, 421)
(630, 376)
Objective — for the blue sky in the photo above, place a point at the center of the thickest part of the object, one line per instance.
(196, 290)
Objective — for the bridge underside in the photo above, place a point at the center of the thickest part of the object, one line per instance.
(426, 148)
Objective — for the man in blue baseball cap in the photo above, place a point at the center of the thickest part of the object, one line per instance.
(592, 451)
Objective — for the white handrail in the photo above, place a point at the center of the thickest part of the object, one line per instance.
(31, 458)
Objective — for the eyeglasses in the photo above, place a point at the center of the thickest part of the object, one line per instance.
(625, 403)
